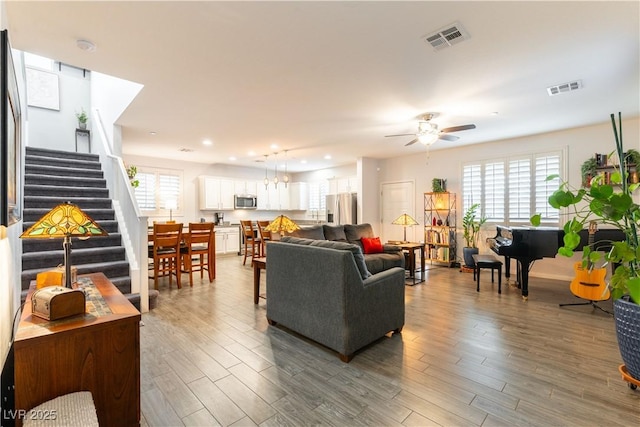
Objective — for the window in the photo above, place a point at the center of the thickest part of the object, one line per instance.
(511, 190)
(159, 191)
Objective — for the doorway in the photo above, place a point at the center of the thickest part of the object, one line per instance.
(398, 198)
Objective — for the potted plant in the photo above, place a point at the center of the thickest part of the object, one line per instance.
(132, 171)
(633, 162)
(471, 228)
(438, 185)
(82, 119)
(588, 170)
(610, 204)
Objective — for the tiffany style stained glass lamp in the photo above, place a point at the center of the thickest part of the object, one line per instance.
(282, 224)
(64, 221)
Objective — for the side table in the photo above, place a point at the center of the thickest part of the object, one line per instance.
(411, 248)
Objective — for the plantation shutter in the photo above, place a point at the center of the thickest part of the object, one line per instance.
(520, 190)
(494, 189)
(546, 165)
(145, 193)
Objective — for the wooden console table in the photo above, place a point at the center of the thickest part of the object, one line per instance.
(98, 351)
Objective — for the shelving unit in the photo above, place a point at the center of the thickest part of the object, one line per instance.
(604, 167)
(440, 227)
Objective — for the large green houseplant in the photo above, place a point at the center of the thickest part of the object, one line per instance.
(612, 205)
(471, 227)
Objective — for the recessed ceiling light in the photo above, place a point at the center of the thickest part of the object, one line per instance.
(207, 142)
(303, 161)
(86, 45)
(152, 133)
(251, 153)
(327, 157)
(233, 158)
(494, 113)
(274, 146)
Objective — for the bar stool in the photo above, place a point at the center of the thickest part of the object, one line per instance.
(252, 243)
(487, 261)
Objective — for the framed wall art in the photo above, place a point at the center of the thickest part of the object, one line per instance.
(42, 89)
(10, 138)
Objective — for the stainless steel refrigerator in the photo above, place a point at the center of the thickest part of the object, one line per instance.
(342, 208)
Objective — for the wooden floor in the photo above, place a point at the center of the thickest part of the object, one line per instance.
(464, 358)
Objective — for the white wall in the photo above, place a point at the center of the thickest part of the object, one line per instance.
(581, 143)
(56, 129)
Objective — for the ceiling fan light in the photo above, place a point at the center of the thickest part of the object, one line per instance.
(428, 138)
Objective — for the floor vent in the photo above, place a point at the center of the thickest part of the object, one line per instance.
(564, 87)
(448, 36)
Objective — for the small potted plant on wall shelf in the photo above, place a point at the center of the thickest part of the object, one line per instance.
(82, 119)
(588, 170)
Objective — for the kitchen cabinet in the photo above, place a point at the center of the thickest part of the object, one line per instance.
(347, 184)
(272, 198)
(227, 239)
(216, 193)
(298, 196)
(246, 187)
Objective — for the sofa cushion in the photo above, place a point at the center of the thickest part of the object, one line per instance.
(371, 245)
(383, 261)
(310, 232)
(355, 232)
(355, 250)
(334, 232)
(296, 240)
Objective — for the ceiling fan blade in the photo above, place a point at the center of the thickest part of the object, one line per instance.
(411, 142)
(402, 134)
(446, 137)
(458, 128)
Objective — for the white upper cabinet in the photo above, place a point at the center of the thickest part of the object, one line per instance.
(246, 187)
(298, 196)
(216, 193)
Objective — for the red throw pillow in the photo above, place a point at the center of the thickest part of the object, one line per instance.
(371, 245)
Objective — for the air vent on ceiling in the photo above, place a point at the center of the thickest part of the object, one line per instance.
(448, 36)
(186, 150)
(564, 87)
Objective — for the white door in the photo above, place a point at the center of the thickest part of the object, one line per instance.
(398, 198)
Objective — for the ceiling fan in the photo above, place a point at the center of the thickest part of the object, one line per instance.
(428, 132)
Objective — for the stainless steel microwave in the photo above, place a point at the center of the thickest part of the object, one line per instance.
(245, 201)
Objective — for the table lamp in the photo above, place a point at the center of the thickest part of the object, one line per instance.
(64, 221)
(282, 224)
(405, 220)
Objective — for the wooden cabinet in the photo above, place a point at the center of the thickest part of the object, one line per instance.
(216, 193)
(227, 240)
(440, 227)
(98, 352)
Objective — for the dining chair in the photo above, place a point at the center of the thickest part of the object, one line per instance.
(251, 241)
(200, 243)
(167, 239)
(265, 236)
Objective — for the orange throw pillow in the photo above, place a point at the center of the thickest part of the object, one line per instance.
(371, 245)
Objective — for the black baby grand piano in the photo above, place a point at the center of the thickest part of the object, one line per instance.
(527, 244)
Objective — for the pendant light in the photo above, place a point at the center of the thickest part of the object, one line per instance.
(266, 178)
(275, 173)
(285, 178)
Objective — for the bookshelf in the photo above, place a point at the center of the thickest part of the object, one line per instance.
(440, 227)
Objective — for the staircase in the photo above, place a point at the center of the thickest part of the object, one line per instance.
(53, 177)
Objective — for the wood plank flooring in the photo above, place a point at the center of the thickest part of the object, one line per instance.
(208, 357)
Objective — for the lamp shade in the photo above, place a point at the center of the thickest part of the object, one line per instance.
(405, 220)
(64, 220)
(282, 224)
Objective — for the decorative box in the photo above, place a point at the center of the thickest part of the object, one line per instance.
(56, 302)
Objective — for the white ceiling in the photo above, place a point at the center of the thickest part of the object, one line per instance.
(333, 78)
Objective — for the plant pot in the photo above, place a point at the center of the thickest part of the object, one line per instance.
(467, 255)
(627, 318)
(82, 125)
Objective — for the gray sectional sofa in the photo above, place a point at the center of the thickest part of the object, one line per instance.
(323, 289)
(392, 256)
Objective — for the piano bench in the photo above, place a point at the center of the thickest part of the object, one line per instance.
(487, 261)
